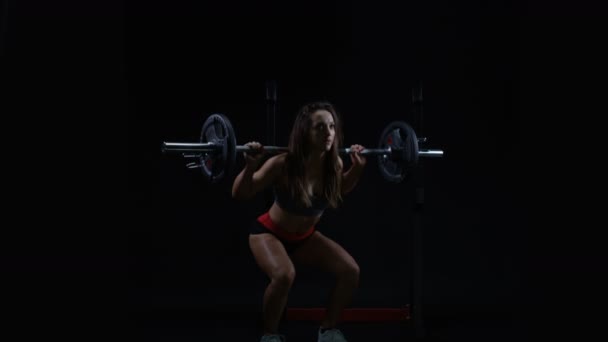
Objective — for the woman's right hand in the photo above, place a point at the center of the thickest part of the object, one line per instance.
(254, 159)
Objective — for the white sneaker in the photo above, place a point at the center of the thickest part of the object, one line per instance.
(331, 335)
(273, 338)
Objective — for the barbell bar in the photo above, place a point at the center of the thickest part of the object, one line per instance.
(398, 149)
(216, 148)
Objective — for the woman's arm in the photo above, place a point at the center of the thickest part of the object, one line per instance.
(351, 177)
(249, 182)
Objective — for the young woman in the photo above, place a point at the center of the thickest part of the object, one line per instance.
(306, 180)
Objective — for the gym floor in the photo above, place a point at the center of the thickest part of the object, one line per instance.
(187, 325)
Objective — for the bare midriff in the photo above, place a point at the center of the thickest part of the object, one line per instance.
(291, 223)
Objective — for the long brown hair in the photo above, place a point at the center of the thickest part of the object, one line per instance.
(299, 149)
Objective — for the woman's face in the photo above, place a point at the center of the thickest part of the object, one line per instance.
(322, 131)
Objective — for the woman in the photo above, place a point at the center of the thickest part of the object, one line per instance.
(306, 180)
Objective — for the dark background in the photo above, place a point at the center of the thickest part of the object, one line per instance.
(188, 61)
(506, 89)
(189, 239)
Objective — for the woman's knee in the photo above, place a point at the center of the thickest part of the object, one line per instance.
(283, 276)
(349, 271)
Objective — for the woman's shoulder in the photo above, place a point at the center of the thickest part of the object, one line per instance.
(277, 162)
(278, 159)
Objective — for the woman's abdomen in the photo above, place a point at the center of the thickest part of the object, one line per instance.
(291, 223)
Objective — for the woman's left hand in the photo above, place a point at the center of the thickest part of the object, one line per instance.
(356, 158)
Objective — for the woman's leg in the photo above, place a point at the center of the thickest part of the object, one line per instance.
(321, 252)
(272, 258)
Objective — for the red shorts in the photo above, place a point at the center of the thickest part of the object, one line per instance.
(291, 241)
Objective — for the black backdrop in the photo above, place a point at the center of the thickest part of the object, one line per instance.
(185, 62)
(508, 94)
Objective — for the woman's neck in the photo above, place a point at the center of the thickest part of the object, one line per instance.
(315, 160)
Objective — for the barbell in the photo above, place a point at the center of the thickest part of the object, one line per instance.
(398, 150)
